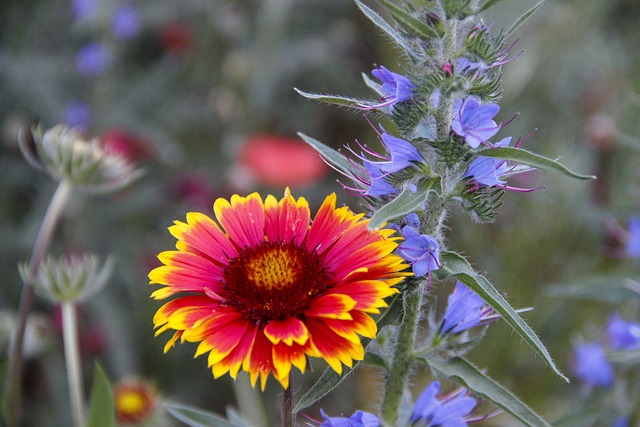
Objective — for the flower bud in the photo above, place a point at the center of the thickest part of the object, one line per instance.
(71, 278)
(65, 155)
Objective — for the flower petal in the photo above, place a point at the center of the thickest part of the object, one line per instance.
(288, 331)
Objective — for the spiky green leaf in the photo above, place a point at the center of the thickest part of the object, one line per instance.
(528, 158)
(196, 417)
(335, 158)
(457, 266)
(102, 411)
(343, 101)
(410, 22)
(467, 375)
(487, 5)
(523, 18)
(408, 201)
(393, 34)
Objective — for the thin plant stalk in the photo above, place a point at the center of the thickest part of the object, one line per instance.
(40, 248)
(72, 361)
(288, 416)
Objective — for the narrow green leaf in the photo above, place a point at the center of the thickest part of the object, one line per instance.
(343, 101)
(329, 378)
(407, 202)
(410, 22)
(455, 265)
(102, 412)
(335, 158)
(467, 375)
(530, 159)
(610, 288)
(395, 36)
(523, 18)
(196, 417)
(487, 5)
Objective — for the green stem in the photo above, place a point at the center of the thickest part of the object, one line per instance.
(72, 360)
(288, 416)
(402, 358)
(40, 248)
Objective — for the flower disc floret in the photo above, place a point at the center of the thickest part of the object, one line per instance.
(263, 288)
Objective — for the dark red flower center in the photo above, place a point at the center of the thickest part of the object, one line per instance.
(274, 280)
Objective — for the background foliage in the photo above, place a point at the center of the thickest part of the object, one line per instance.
(202, 76)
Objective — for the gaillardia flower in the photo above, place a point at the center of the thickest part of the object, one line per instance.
(266, 288)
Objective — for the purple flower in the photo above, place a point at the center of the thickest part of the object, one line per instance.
(421, 250)
(448, 411)
(487, 171)
(377, 185)
(125, 23)
(397, 88)
(84, 9)
(623, 335)
(402, 153)
(359, 419)
(92, 59)
(474, 122)
(77, 114)
(465, 66)
(632, 244)
(591, 365)
(465, 310)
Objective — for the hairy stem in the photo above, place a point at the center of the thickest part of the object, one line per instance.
(40, 247)
(402, 358)
(72, 360)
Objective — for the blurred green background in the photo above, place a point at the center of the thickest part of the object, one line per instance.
(183, 87)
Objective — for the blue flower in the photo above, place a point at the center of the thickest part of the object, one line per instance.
(125, 23)
(465, 310)
(358, 419)
(377, 185)
(623, 335)
(474, 122)
(93, 59)
(396, 88)
(84, 9)
(77, 114)
(402, 153)
(591, 365)
(632, 244)
(450, 411)
(421, 250)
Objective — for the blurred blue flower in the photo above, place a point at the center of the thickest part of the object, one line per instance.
(591, 365)
(464, 66)
(358, 419)
(421, 250)
(632, 244)
(465, 310)
(474, 122)
(622, 422)
(397, 88)
(125, 23)
(77, 114)
(93, 59)
(623, 335)
(84, 9)
(450, 411)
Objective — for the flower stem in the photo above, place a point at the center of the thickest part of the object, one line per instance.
(40, 247)
(402, 357)
(288, 417)
(72, 360)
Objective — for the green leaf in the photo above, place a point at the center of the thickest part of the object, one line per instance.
(487, 5)
(196, 417)
(612, 289)
(407, 202)
(530, 159)
(388, 29)
(329, 378)
(343, 101)
(410, 22)
(102, 412)
(467, 375)
(335, 158)
(455, 265)
(522, 19)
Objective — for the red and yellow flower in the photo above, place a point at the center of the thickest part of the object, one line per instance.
(264, 287)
